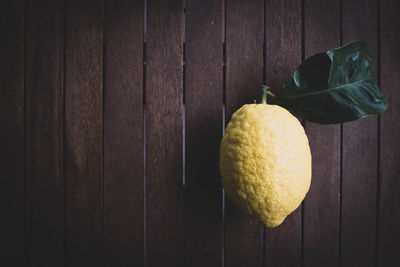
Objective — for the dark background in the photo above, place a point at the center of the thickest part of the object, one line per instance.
(111, 117)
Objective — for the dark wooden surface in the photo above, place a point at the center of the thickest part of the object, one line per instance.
(123, 124)
(164, 133)
(388, 235)
(12, 190)
(84, 213)
(44, 128)
(321, 218)
(111, 117)
(204, 24)
(359, 161)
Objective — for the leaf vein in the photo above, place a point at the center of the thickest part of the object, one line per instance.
(324, 91)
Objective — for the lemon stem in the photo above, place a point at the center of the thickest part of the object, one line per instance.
(266, 92)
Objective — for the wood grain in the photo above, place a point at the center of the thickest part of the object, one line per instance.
(322, 203)
(389, 194)
(141, 203)
(44, 133)
(123, 133)
(12, 223)
(203, 93)
(283, 55)
(360, 153)
(244, 77)
(164, 133)
(83, 134)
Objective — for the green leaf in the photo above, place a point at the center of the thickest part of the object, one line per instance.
(334, 87)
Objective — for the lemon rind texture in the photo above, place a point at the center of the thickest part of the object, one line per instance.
(265, 162)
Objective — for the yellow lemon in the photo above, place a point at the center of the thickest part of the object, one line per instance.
(265, 162)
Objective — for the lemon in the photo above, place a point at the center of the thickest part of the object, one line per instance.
(265, 162)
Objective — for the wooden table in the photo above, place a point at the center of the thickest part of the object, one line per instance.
(111, 117)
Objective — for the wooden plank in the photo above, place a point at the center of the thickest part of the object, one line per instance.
(83, 134)
(322, 204)
(44, 133)
(283, 55)
(389, 194)
(12, 224)
(123, 133)
(360, 148)
(244, 77)
(203, 93)
(164, 133)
